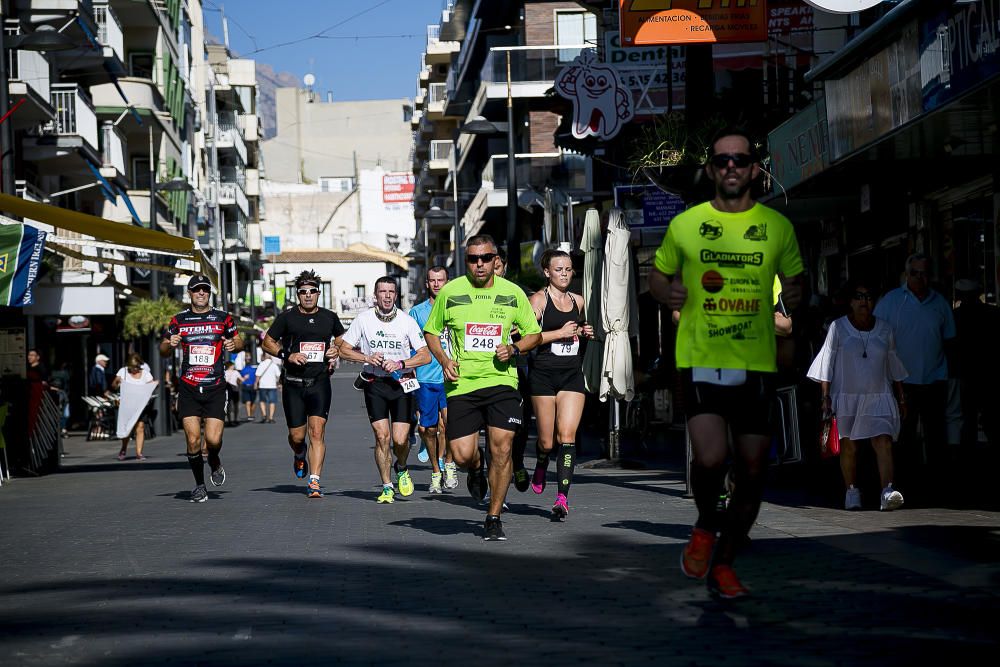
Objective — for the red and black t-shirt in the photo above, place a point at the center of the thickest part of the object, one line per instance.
(203, 363)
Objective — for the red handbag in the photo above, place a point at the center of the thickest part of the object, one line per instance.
(829, 438)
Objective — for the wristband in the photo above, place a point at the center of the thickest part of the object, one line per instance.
(514, 350)
(282, 355)
(402, 364)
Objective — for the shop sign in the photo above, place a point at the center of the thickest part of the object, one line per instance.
(800, 146)
(650, 22)
(876, 97)
(959, 49)
(602, 103)
(397, 187)
(648, 73)
(647, 206)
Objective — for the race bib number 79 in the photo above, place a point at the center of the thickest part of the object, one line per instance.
(482, 337)
(201, 355)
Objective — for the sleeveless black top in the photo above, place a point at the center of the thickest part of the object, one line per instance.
(564, 356)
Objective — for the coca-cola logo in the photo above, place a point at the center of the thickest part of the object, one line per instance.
(474, 329)
(311, 347)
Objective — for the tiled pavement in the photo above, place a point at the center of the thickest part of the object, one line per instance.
(107, 563)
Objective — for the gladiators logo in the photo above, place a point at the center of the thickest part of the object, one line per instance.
(732, 258)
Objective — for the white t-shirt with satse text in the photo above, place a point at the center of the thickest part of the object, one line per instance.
(268, 373)
(396, 340)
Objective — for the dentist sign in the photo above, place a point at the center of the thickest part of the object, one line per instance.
(601, 102)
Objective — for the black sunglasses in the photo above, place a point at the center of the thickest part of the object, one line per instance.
(864, 296)
(739, 160)
(311, 290)
(200, 288)
(486, 258)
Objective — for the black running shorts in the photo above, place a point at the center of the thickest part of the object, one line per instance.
(203, 402)
(499, 407)
(301, 402)
(551, 381)
(385, 399)
(747, 408)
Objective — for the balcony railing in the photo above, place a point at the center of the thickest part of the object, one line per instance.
(437, 93)
(109, 29)
(231, 194)
(233, 175)
(75, 114)
(235, 233)
(528, 64)
(433, 33)
(230, 134)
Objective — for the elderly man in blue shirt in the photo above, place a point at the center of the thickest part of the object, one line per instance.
(922, 322)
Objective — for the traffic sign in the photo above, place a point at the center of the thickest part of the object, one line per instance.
(272, 245)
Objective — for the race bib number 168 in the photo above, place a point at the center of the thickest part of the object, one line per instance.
(482, 337)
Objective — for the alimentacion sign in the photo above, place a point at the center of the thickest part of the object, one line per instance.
(648, 22)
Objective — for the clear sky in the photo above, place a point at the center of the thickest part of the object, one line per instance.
(382, 63)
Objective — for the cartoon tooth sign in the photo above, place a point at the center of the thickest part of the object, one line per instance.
(601, 102)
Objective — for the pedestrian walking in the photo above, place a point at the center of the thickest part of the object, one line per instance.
(266, 383)
(478, 312)
(717, 265)
(556, 374)
(203, 334)
(135, 385)
(388, 342)
(922, 324)
(861, 379)
(305, 338)
(233, 380)
(248, 387)
(432, 406)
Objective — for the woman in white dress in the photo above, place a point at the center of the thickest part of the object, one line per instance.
(858, 370)
(135, 384)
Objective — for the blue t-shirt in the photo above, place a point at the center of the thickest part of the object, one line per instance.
(920, 329)
(432, 373)
(250, 373)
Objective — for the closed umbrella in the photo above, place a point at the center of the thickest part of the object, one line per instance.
(592, 246)
(617, 381)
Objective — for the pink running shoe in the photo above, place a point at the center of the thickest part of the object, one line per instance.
(561, 508)
(538, 480)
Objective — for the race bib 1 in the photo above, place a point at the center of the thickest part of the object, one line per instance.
(313, 351)
(726, 377)
(482, 337)
(409, 385)
(201, 355)
(566, 348)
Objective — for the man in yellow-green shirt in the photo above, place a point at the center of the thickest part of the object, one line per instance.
(478, 311)
(717, 265)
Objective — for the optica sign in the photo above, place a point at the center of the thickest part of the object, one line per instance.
(649, 22)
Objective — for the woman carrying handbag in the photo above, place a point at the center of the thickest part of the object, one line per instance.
(858, 370)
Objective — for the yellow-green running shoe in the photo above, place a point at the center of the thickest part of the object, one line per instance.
(404, 482)
(387, 495)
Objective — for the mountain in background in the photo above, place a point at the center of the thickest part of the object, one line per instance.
(268, 81)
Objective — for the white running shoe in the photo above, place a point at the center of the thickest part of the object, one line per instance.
(852, 501)
(891, 499)
(435, 486)
(450, 476)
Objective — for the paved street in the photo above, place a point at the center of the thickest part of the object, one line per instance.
(108, 563)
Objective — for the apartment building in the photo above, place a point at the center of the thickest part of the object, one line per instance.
(476, 54)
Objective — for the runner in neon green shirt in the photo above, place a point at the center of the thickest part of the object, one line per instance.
(717, 265)
(478, 311)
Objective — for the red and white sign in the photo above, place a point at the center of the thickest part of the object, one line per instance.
(483, 337)
(313, 351)
(397, 187)
(601, 102)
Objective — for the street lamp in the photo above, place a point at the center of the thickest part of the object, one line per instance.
(480, 125)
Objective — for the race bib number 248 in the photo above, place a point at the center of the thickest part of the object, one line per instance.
(483, 337)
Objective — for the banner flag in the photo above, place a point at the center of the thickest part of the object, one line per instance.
(21, 249)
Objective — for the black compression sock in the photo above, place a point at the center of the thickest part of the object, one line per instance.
(213, 457)
(197, 467)
(541, 458)
(564, 466)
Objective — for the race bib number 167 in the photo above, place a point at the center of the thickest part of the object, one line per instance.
(482, 337)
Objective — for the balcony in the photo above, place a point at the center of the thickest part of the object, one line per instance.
(75, 115)
(250, 125)
(440, 152)
(109, 30)
(29, 80)
(252, 187)
(229, 135)
(234, 233)
(436, 98)
(438, 52)
(415, 119)
(141, 93)
(112, 151)
(231, 194)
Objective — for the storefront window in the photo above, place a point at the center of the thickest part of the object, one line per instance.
(974, 239)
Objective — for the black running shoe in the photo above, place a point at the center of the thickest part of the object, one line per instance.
(494, 530)
(476, 482)
(200, 494)
(219, 476)
(521, 480)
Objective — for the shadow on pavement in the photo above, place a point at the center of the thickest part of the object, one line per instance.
(442, 526)
(672, 530)
(616, 601)
(128, 465)
(286, 488)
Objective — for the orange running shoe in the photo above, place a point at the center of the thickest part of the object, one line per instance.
(697, 554)
(722, 583)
